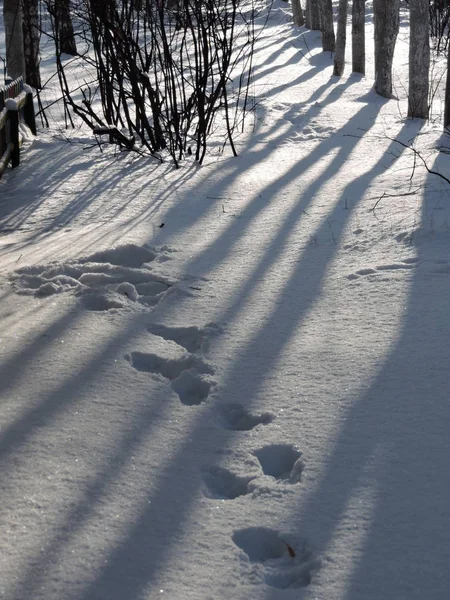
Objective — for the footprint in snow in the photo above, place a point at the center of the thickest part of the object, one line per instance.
(281, 461)
(193, 339)
(192, 387)
(188, 374)
(222, 484)
(406, 265)
(111, 279)
(280, 561)
(235, 417)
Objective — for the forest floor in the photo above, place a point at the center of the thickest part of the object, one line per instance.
(251, 401)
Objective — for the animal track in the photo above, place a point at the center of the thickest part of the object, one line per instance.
(187, 374)
(223, 484)
(170, 368)
(191, 387)
(407, 264)
(235, 417)
(260, 544)
(191, 338)
(279, 564)
(129, 255)
(117, 278)
(281, 461)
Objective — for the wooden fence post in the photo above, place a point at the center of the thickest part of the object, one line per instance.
(13, 121)
(28, 110)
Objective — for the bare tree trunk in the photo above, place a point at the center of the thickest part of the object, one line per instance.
(297, 13)
(31, 39)
(308, 23)
(13, 19)
(358, 36)
(66, 36)
(315, 15)
(387, 21)
(419, 59)
(341, 38)
(327, 28)
(447, 92)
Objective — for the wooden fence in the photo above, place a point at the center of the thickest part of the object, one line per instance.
(16, 105)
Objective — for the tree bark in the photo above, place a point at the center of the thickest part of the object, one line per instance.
(387, 20)
(308, 22)
(297, 13)
(31, 39)
(419, 59)
(447, 92)
(66, 36)
(13, 19)
(341, 38)
(358, 36)
(327, 27)
(315, 15)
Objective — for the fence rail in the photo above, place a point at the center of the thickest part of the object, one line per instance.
(16, 106)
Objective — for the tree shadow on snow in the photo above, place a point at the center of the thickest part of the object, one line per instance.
(389, 461)
(130, 566)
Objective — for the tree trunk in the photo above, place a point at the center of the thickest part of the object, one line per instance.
(297, 13)
(358, 36)
(31, 39)
(315, 14)
(327, 28)
(419, 59)
(66, 36)
(341, 38)
(387, 20)
(447, 92)
(308, 22)
(13, 19)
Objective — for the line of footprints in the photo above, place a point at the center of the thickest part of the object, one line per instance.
(279, 560)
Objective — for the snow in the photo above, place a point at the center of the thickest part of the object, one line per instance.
(250, 402)
(12, 104)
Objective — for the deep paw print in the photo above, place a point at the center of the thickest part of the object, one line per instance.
(193, 339)
(280, 561)
(235, 417)
(220, 483)
(281, 461)
(188, 374)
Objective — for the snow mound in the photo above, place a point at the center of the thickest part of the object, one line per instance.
(118, 278)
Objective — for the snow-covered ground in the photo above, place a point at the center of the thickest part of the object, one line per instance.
(250, 402)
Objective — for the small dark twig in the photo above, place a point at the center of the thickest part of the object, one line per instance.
(378, 201)
(421, 158)
(331, 229)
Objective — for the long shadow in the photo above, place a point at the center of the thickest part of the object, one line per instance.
(394, 443)
(201, 203)
(133, 563)
(165, 521)
(92, 494)
(222, 245)
(118, 577)
(407, 546)
(16, 209)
